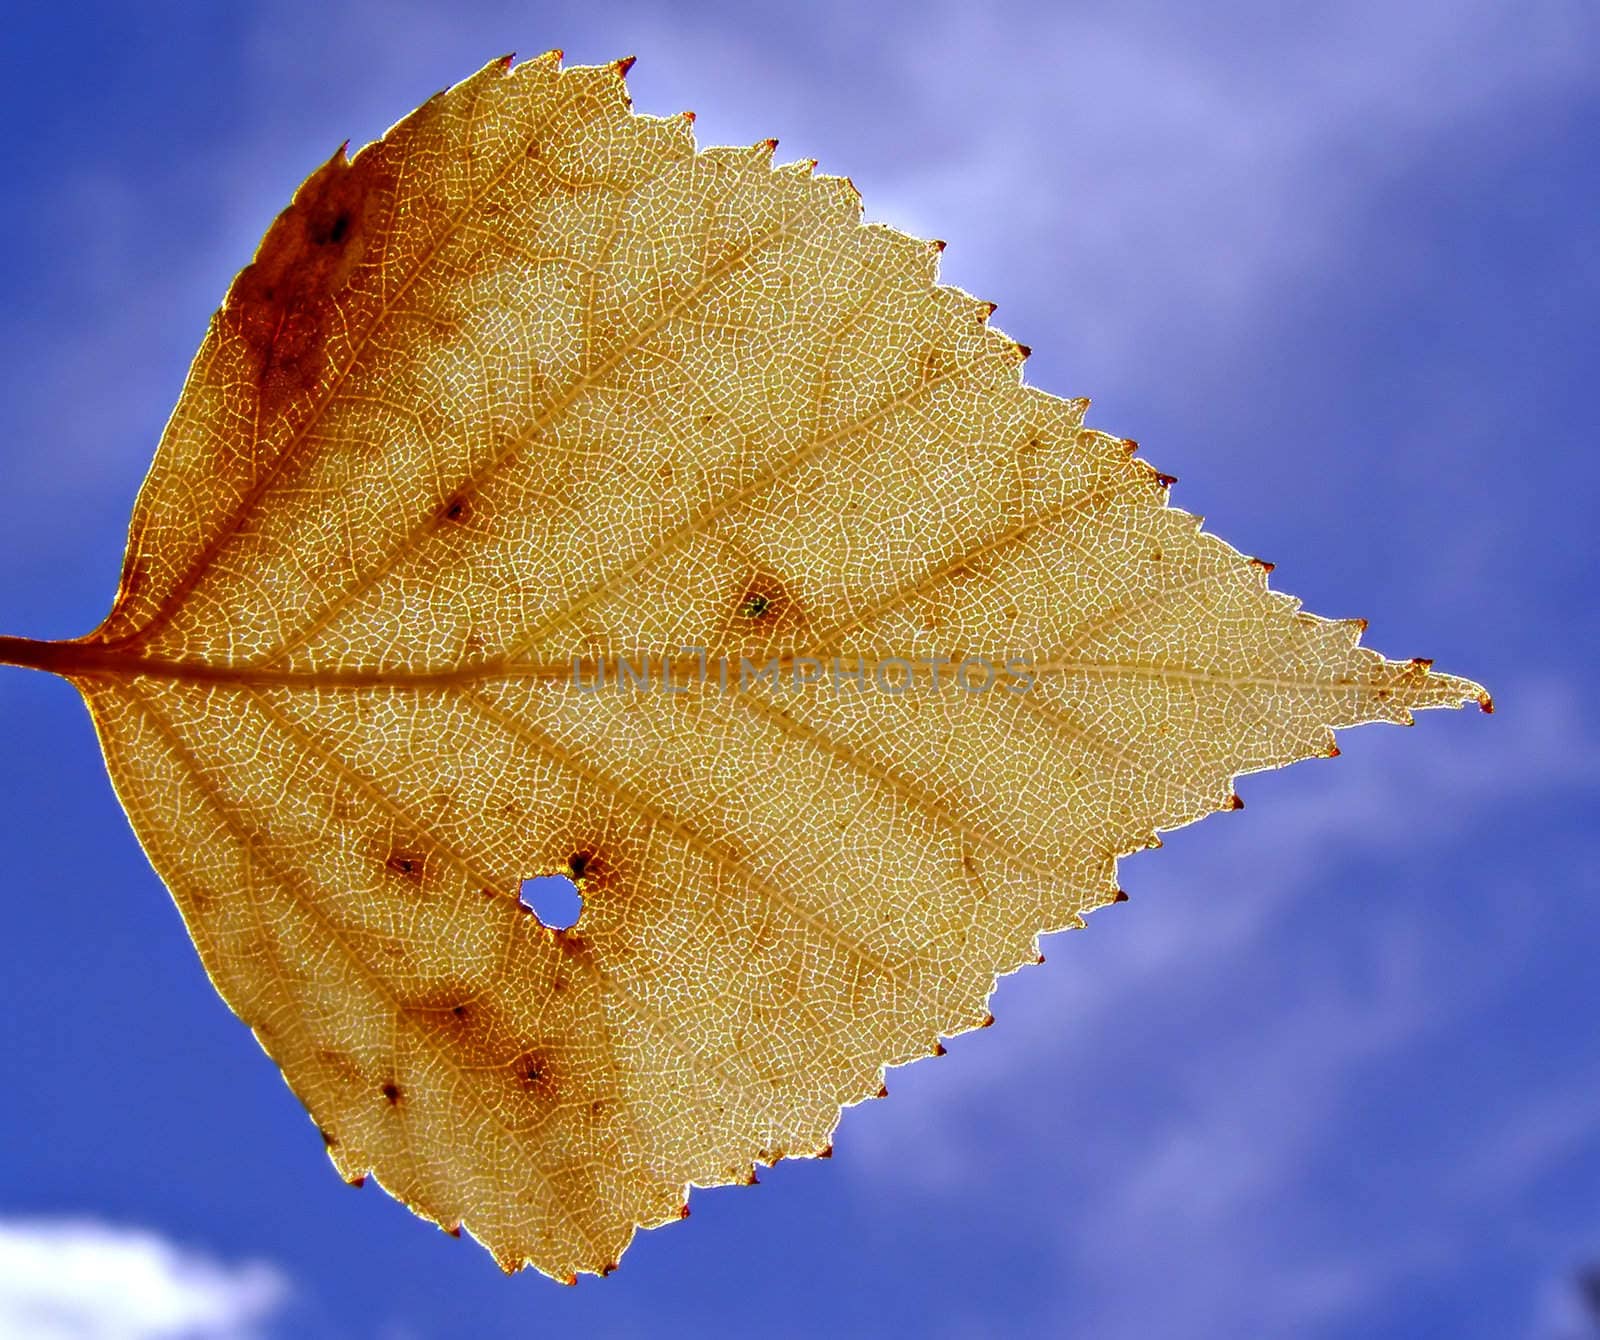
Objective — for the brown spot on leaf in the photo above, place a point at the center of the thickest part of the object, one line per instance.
(535, 1073)
(391, 1092)
(456, 508)
(766, 611)
(574, 946)
(409, 865)
(282, 305)
(343, 1064)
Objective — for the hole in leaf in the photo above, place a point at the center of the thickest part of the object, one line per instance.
(554, 899)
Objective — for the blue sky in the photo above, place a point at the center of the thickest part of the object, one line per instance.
(1332, 1071)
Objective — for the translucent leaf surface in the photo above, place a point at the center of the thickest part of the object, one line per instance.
(530, 386)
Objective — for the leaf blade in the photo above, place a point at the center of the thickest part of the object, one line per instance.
(327, 702)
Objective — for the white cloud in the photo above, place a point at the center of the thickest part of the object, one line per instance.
(1171, 178)
(80, 1279)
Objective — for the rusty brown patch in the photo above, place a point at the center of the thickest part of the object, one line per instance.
(571, 944)
(766, 613)
(454, 510)
(281, 305)
(408, 864)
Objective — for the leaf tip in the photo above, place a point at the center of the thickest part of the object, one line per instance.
(1120, 896)
(623, 65)
(1486, 703)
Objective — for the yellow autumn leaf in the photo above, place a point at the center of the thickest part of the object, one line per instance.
(551, 497)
